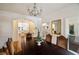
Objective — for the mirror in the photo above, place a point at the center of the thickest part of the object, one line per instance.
(56, 26)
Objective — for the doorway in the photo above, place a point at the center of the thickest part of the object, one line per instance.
(20, 29)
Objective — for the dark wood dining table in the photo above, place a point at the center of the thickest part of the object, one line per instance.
(45, 48)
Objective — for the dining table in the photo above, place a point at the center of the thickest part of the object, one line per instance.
(45, 48)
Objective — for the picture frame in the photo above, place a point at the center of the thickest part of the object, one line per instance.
(71, 29)
(56, 26)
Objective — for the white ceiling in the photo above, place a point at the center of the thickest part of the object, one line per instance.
(48, 9)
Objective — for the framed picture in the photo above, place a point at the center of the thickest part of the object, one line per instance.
(71, 29)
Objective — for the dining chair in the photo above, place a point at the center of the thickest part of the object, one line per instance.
(48, 38)
(62, 41)
(9, 45)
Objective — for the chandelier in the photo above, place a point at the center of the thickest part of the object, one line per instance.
(35, 11)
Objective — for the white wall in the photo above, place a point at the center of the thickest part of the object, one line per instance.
(5, 30)
(65, 14)
(73, 21)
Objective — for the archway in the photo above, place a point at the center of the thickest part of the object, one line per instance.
(20, 29)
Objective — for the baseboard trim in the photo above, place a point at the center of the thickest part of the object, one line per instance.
(73, 52)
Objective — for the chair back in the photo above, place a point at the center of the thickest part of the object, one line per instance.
(62, 42)
(28, 36)
(9, 45)
(49, 38)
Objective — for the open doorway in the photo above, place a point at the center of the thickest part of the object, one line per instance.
(20, 29)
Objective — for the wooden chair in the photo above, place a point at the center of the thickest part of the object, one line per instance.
(48, 38)
(10, 46)
(29, 40)
(16, 47)
(62, 42)
(28, 36)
